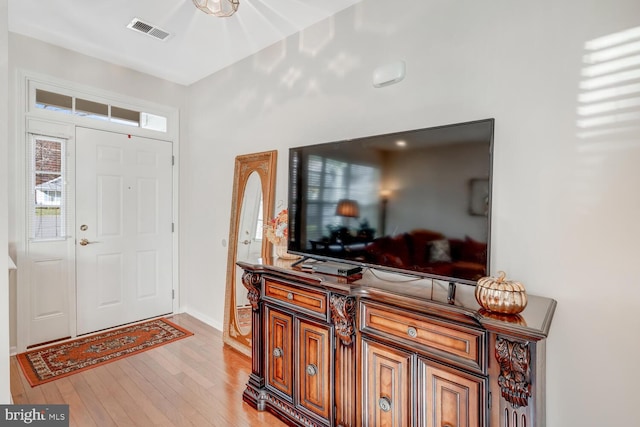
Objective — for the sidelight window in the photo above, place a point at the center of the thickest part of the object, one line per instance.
(47, 191)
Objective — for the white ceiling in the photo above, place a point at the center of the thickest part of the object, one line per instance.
(198, 46)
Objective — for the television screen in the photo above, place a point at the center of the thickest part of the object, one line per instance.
(416, 202)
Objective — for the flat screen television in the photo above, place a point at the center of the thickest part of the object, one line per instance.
(416, 202)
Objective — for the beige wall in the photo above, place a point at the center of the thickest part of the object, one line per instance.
(565, 204)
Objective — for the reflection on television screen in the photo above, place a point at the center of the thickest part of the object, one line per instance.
(417, 201)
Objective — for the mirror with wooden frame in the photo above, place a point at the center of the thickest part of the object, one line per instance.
(251, 205)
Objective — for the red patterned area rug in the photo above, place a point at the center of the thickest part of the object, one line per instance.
(60, 360)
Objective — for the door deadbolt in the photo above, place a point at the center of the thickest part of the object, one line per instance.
(84, 227)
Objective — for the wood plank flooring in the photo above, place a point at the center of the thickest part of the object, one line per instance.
(196, 381)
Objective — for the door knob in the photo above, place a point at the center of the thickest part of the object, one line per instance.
(312, 370)
(84, 242)
(385, 404)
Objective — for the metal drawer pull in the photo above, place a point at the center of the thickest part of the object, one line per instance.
(385, 404)
(412, 332)
(277, 352)
(289, 296)
(312, 369)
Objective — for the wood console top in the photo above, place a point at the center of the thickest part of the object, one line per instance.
(428, 296)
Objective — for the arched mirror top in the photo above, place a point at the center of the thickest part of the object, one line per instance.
(252, 203)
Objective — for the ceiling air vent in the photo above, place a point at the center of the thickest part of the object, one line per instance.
(151, 30)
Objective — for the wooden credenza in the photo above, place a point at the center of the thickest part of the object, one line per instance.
(330, 351)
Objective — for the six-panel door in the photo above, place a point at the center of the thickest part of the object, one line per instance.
(124, 229)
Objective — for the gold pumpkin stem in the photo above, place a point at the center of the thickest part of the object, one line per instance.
(502, 276)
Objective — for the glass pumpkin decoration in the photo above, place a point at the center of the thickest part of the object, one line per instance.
(501, 296)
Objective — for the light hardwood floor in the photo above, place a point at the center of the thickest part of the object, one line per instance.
(196, 381)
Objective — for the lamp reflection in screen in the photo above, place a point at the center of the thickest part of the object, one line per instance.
(348, 208)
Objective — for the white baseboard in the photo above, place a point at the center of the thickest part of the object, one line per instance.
(13, 350)
(204, 318)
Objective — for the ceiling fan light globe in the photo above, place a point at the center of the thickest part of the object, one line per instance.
(220, 8)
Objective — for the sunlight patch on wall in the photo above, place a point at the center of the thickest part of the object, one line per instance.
(245, 98)
(316, 37)
(609, 97)
(312, 88)
(608, 131)
(290, 77)
(268, 59)
(342, 64)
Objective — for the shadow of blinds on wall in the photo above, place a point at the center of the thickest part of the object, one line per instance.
(609, 97)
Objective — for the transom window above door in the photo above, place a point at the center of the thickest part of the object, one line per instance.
(67, 104)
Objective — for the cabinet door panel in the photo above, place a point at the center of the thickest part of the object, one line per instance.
(447, 399)
(279, 351)
(386, 386)
(314, 368)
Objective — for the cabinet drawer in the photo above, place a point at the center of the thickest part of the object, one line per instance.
(462, 345)
(306, 299)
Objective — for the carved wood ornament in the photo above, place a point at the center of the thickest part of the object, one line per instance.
(515, 373)
(343, 312)
(251, 281)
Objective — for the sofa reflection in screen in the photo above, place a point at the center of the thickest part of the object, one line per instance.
(430, 252)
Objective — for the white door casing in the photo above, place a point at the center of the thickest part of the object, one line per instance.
(124, 214)
(46, 294)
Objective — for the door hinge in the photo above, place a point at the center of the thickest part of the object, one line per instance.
(173, 227)
(489, 403)
(173, 294)
(173, 160)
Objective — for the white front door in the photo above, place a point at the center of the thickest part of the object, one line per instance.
(123, 229)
